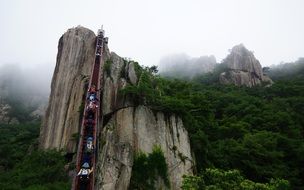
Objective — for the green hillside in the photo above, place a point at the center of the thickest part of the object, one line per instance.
(23, 166)
(256, 131)
(242, 138)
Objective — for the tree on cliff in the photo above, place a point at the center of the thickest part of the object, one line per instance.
(254, 130)
(231, 179)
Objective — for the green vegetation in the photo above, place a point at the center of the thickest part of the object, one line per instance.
(287, 70)
(212, 77)
(75, 137)
(81, 108)
(123, 73)
(258, 131)
(19, 110)
(23, 166)
(231, 179)
(252, 138)
(138, 69)
(107, 67)
(148, 168)
(15, 140)
(143, 91)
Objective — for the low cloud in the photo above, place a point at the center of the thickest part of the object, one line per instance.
(30, 85)
(184, 66)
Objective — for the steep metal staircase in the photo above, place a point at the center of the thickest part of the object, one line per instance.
(90, 122)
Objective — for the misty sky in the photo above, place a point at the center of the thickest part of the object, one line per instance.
(148, 30)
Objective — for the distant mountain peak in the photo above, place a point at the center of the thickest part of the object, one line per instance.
(243, 68)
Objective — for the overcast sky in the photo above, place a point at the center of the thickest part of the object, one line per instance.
(148, 30)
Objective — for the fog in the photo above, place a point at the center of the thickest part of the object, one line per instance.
(287, 70)
(183, 66)
(148, 30)
(30, 85)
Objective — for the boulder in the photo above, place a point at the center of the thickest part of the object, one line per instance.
(242, 68)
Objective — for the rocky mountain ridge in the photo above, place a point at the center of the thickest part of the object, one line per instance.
(242, 68)
(126, 128)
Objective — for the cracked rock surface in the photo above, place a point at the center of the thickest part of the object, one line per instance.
(126, 129)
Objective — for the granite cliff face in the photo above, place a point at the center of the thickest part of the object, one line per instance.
(242, 68)
(136, 129)
(126, 128)
(75, 59)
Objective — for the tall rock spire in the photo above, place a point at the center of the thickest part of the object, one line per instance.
(126, 128)
(242, 68)
(75, 60)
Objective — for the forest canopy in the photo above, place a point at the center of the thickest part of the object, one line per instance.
(256, 131)
(243, 137)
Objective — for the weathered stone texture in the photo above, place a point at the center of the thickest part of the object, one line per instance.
(75, 59)
(139, 129)
(129, 129)
(243, 69)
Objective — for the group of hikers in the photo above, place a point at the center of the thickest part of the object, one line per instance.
(89, 122)
(90, 118)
